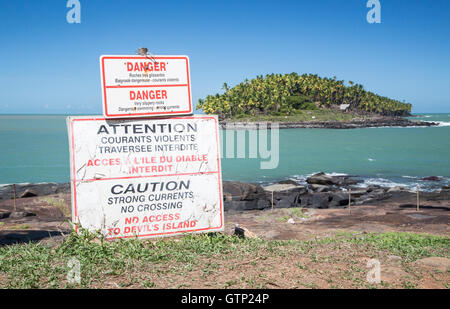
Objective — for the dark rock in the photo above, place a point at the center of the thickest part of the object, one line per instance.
(339, 200)
(304, 200)
(372, 188)
(41, 189)
(4, 214)
(28, 193)
(446, 188)
(327, 180)
(432, 178)
(393, 189)
(21, 214)
(320, 200)
(284, 195)
(322, 179)
(288, 182)
(347, 181)
(239, 191)
(287, 201)
(246, 205)
(320, 188)
(379, 121)
(358, 192)
(243, 232)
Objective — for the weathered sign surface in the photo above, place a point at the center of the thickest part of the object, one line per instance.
(146, 177)
(137, 86)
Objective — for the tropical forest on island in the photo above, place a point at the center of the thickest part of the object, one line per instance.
(292, 95)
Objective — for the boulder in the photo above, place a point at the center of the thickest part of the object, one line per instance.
(239, 191)
(327, 180)
(243, 232)
(320, 200)
(304, 200)
(432, 178)
(396, 189)
(285, 201)
(322, 179)
(346, 181)
(373, 188)
(246, 205)
(4, 214)
(279, 188)
(339, 200)
(288, 182)
(358, 192)
(28, 193)
(320, 188)
(284, 195)
(41, 189)
(244, 196)
(21, 214)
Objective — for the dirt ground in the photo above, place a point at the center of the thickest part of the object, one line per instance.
(324, 266)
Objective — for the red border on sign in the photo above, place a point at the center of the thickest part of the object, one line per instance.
(218, 172)
(188, 85)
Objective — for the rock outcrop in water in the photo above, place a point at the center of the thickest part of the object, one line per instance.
(30, 190)
(321, 191)
(354, 124)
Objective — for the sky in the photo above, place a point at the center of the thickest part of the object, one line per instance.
(48, 65)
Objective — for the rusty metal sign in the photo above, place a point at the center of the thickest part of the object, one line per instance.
(140, 86)
(146, 177)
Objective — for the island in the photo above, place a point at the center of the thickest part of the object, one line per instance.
(306, 101)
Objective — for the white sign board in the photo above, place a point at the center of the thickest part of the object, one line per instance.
(137, 86)
(146, 177)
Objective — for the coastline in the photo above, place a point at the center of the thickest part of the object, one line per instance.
(318, 191)
(375, 122)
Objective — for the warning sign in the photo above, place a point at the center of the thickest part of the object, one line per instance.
(146, 177)
(136, 86)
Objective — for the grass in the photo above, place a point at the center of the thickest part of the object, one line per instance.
(300, 116)
(410, 246)
(294, 213)
(58, 203)
(15, 227)
(202, 259)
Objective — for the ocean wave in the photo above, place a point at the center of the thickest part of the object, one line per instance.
(410, 183)
(443, 123)
(383, 182)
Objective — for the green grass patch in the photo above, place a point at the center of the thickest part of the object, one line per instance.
(410, 246)
(294, 213)
(299, 116)
(58, 203)
(40, 265)
(36, 265)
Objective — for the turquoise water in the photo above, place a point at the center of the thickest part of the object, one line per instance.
(35, 149)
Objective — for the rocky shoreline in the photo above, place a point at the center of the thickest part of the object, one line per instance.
(321, 191)
(354, 124)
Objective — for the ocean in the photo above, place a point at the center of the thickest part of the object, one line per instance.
(34, 149)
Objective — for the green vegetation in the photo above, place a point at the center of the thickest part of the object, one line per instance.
(58, 203)
(410, 246)
(279, 95)
(295, 213)
(301, 116)
(200, 260)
